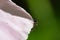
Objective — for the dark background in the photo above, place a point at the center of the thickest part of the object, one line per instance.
(22, 3)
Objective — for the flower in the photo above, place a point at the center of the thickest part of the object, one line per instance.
(13, 26)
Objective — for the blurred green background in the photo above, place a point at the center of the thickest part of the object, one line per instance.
(47, 15)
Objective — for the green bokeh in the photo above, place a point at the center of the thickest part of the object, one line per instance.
(48, 27)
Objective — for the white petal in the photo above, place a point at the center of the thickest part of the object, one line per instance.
(14, 27)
